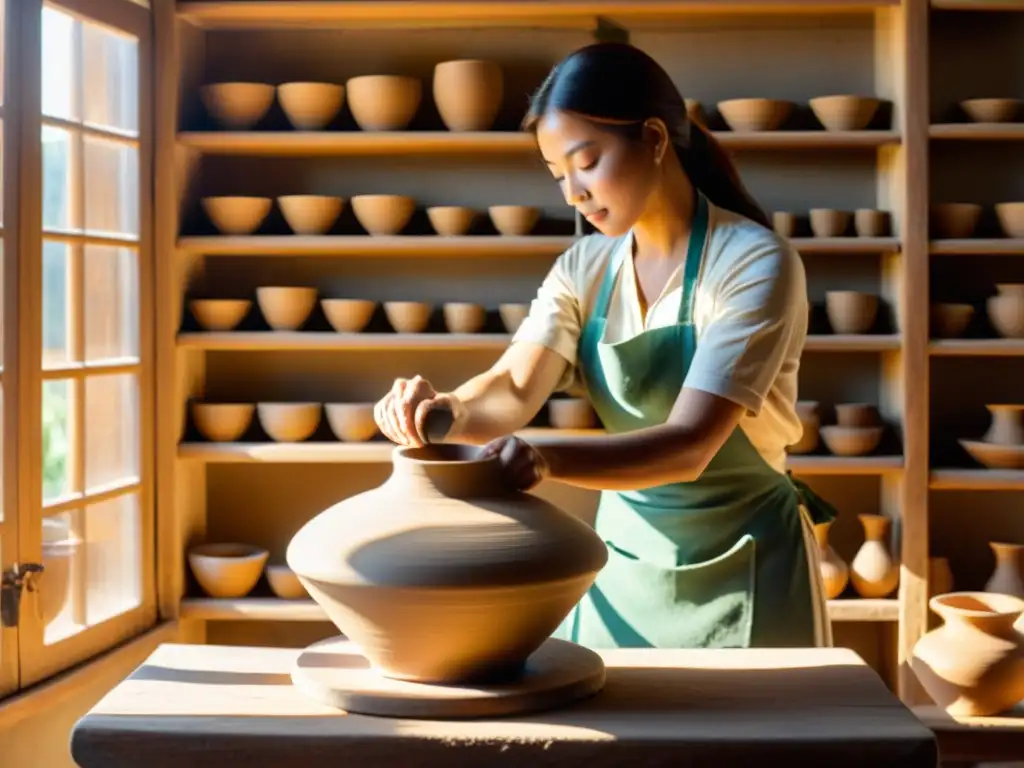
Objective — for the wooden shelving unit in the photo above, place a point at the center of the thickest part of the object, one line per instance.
(908, 53)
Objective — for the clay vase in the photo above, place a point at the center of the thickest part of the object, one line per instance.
(973, 665)
(835, 573)
(441, 574)
(468, 93)
(873, 570)
(1007, 577)
(1006, 310)
(1007, 426)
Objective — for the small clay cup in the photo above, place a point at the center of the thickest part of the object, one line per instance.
(950, 320)
(851, 311)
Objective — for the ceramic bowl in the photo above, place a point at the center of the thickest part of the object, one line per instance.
(285, 308)
(284, 583)
(950, 320)
(829, 222)
(351, 422)
(348, 315)
(468, 93)
(222, 422)
(844, 112)
(953, 220)
(1011, 218)
(408, 316)
(384, 102)
(289, 422)
(310, 106)
(228, 569)
(851, 441)
(513, 315)
(743, 115)
(514, 220)
(451, 220)
(219, 314)
(236, 214)
(310, 214)
(992, 110)
(383, 214)
(464, 317)
(237, 105)
(851, 311)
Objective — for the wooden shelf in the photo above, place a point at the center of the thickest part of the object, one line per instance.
(366, 245)
(976, 347)
(556, 14)
(339, 143)
(977, 131)
(978, 5)
(994, 246)
(329, 340)
(276, 609)
(846, 245)
(977, 479)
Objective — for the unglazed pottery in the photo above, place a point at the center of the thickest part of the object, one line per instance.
(348, 315)
(468, 93)
(1006, 426)
(310, 106)
(408, 316)
(870, 222)
(237, 106)
(1007, 577)
(873, 570)
(310, 214)
(953, 220)
(236, 214)
(514, 220)
(284, 583)
(463, 316)
(1011, 218)
(227, 570)
(219, 314)
(513, 315)
(829, 222)
(993, 455)
(451, 220)
(289, 422)
(808, 411)
(950, 321)
(973, 665)
(383, 214)
(441, 574)
(384, 102)
(851, 311)
(571, 413)
(286, 308)
(351, 422)
(844, 112)
(1006, 310)
(223, 422)
(857, 415)
(851, 441)
(744, 115)
(785, 223)
(991, 110)
(835, 573)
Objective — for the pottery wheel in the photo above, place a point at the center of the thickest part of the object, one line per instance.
(334, 672)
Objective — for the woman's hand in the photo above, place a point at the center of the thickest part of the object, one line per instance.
(401, 413)
(523, 465)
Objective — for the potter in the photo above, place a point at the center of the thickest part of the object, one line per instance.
(682, 319)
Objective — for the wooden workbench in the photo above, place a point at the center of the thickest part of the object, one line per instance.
(224, 707)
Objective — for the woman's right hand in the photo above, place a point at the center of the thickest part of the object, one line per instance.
(401, 413)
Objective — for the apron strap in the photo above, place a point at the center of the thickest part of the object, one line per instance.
(820, 510)
(694, 256)
(608, 281)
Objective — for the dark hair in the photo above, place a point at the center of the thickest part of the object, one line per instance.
(620, 87)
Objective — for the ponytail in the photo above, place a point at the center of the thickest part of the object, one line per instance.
(711, 170)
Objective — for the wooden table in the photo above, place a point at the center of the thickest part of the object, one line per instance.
(223, 706)
(976, 739)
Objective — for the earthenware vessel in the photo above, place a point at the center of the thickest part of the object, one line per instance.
(443, 575)
(835, 573)
(757, 114)
(468, 93)
(1007, 425)
(1008, 576)
(873, 570)
(953, 220)
(844, 112)
(1006, 310)
(310, 106)
(973, 665)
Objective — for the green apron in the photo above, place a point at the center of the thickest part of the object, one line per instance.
(726, 560)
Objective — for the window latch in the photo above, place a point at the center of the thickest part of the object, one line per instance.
(20, 576)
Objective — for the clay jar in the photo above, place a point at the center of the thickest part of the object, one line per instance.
(1006, 310)
(973, 665)
(835, 573)
(873, 572)
(851, 311)
(443, 575)
(1007, 425)
(468, 93)
(1007, 577)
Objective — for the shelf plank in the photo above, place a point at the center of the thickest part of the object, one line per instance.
(367, 245)
(981, 246)
(276, 609)
(977, 479)
(846, 245)
(978, 5)
(329, 340)
(340, 143)
(976, 347)
(845, 465)
(552, 14)
(977, 131)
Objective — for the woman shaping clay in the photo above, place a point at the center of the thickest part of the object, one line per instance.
(683, 319)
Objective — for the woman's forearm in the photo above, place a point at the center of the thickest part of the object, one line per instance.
(636, 460)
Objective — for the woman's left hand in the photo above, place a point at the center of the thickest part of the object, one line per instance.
(522, 464)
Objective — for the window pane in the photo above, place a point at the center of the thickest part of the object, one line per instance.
(60, 549)
(58, 417)
(114, 566)
(111, 303)
(111, 187)
(58, 179)
(111, 430)
(111, 82)
(58, 64)
(57, 304)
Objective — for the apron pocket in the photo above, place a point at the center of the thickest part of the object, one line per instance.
(634, 603)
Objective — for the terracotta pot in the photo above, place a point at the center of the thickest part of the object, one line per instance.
(222, 422)
(873, 570)
(383, 214)
(857, 415)
(835, 573)
(237, 106)
(810, 419)
(408, 316)
(1007, 425)
(953, 220)
(851, 441)
(1011, 218)
(289, 422)
(513, 315)
(310, 214)
(844, 112)
(828, 222)
(351, 422)
(851, 311)
(227, 570)
(993, 455)
(1008, 575)
(384, 102)
(284, 583)
(868, 222)
(284, 307)
(450, 220)
(468, 93)
(950, 321)
(236, 214)
(348, 315)
(991, 110)
(463, 316)
(784, 223)
(1006, 310)
(443, 551)
(973, 665)
(514, 220)
(310, 106)
(744, 115)
(219, 314)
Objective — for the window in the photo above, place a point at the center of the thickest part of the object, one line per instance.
(83, 459)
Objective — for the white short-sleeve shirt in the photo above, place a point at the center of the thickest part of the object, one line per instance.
(750, 313)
